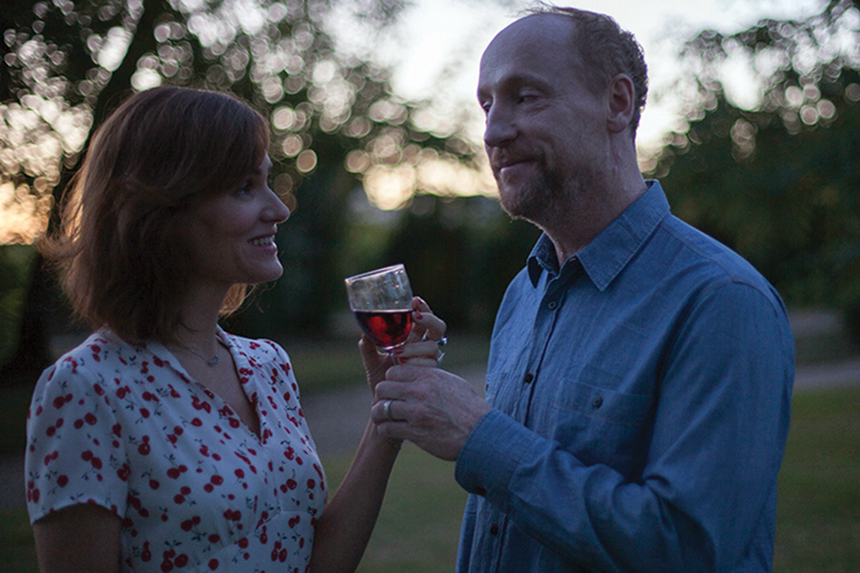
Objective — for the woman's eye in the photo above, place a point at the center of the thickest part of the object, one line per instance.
(245, 189)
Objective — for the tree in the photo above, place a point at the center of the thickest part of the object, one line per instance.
(66, 64)
(778, 182)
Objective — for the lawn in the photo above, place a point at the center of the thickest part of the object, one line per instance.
(818, 523)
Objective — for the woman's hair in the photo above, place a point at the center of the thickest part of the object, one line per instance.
(606, 50)
(118, 249)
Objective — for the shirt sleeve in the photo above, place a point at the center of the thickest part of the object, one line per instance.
(75, 453)
(720, 425)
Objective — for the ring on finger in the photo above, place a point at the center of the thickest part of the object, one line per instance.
(439, 358)
(386, 409)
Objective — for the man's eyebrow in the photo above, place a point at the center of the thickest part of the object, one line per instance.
(518, 80)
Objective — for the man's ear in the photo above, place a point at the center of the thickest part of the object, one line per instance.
(620, 99)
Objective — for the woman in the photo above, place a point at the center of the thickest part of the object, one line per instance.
(162, 442)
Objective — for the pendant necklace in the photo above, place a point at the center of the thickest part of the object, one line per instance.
(210, 362)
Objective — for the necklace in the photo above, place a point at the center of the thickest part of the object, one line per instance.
(210, 362)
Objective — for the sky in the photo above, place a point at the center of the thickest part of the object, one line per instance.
(435, 48)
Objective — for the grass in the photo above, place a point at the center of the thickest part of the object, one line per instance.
(818, 520)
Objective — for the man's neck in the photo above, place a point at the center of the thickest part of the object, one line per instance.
(573, 226)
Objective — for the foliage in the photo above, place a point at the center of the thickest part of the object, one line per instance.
(778, 182)
(15, 274)
(66, 64)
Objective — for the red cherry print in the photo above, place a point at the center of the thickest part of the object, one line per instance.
(62, 480)
(213, 564)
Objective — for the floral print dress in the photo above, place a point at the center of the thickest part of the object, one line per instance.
(125, 427)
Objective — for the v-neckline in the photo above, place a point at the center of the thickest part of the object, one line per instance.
(237, 366)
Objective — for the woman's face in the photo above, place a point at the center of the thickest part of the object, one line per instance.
(231, 235)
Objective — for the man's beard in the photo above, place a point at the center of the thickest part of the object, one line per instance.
(532, 200)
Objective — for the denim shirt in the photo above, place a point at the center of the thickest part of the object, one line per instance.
(641, 397)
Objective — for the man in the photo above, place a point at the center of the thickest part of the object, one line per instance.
(640, 373)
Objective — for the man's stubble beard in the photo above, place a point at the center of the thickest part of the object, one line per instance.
(542, 199)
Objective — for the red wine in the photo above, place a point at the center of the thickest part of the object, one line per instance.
(386, 328)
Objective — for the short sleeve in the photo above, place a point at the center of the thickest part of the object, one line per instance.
(75, 452)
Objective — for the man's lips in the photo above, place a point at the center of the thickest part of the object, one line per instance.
(501, 160)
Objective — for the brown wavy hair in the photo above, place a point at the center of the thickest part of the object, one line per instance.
(117, 248)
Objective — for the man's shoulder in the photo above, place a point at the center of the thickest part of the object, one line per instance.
(697, 252)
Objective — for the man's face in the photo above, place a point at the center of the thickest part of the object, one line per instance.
(545, 132)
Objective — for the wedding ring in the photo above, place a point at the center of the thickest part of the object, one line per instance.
(439, 358)
(386, 409)
(442, 342)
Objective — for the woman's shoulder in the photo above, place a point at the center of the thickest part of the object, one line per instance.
(261, 349)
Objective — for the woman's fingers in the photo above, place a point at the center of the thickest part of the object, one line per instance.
(425, 323)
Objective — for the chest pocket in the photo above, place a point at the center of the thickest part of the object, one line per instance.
(600, 424)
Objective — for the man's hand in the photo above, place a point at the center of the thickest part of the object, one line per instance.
(432, 408)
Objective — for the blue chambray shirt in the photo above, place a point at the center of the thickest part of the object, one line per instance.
(641, 400)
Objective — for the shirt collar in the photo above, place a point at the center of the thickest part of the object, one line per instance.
(607, 254)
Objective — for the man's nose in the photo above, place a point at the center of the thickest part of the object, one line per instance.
(500, 126)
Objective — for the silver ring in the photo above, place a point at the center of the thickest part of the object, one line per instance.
(442, 342)
(386, 409)
(439, 358)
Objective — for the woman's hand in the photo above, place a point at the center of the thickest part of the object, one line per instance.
(422, 348)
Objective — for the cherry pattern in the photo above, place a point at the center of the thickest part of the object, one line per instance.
(127, 428)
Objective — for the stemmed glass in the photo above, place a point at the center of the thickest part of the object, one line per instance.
(382, 303)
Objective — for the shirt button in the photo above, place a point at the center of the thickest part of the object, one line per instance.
(552, 305)
(494, 529)
(597, 402)
(528, 378)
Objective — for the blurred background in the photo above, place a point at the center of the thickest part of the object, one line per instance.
(752, 125)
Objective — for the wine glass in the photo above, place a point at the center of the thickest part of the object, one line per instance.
(382, 303)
